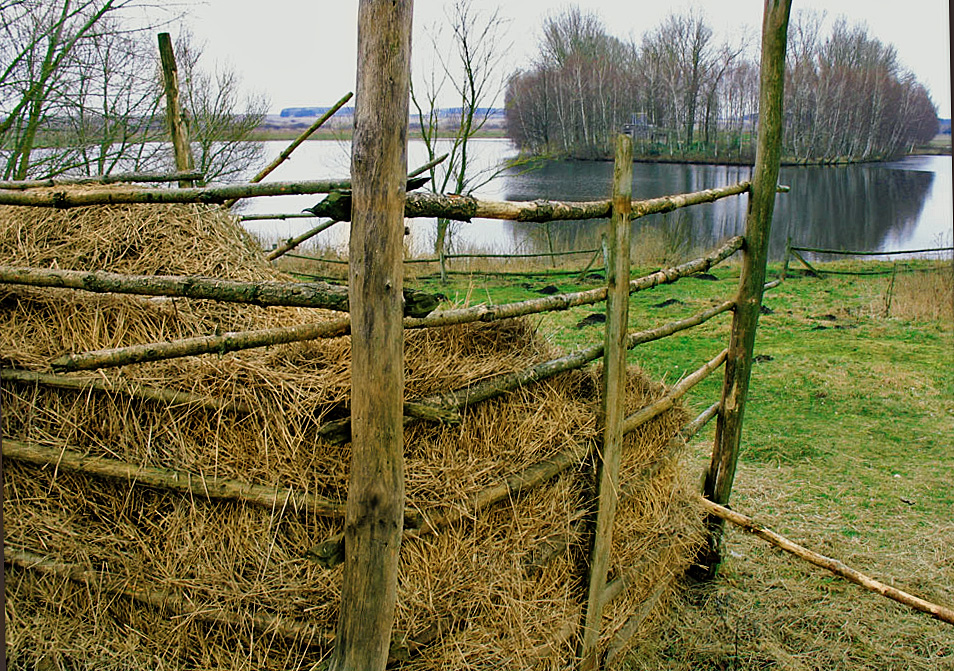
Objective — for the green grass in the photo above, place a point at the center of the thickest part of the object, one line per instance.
(847, 448)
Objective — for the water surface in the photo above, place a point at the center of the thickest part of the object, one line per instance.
(873, 207)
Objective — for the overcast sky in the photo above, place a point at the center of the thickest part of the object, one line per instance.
(303, 53)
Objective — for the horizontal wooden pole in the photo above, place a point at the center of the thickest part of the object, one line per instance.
(487, 313)
(234, 341)
(122, 195)
(220, 344)
(642, 208)
(99, 384)
(676, 392)
(465, 208)
(519, 256)
(297, 294)
(273, 498)
(455, 400)
(843, 252)
(282, 217)
(169, 601)
(114, 178)
(838, 568)
(293, 294)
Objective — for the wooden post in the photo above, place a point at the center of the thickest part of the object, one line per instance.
(788, 255)
(177, 126)
(725, 453)
(614, 396)
(375, 509)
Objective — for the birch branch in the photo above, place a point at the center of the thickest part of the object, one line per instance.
(208, 195)
(171, 396)
(838, 568)
(114, 178)
(273, 498)
(221, 344)
(166, 600)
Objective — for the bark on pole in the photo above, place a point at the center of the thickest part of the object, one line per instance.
(177, 126)
(725, 452)
(614, 396)
(375, 509)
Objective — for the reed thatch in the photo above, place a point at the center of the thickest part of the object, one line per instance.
(110, 574)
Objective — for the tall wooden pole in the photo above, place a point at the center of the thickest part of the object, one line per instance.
(758, 224)
(177, 126)
(375, 509)
(614, 396)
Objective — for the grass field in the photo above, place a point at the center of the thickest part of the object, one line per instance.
(848, 449)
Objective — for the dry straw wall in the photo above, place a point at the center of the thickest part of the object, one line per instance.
(107, 573)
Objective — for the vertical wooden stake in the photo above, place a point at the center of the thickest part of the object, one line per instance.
(614, 396)
(758, 224)
(788, 255)
(375, 510)
(177, 126)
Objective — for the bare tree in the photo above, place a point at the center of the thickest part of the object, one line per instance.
(469, 61)
(80, 94)
(221, 121)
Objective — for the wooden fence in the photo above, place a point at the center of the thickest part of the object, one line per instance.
(376, 312)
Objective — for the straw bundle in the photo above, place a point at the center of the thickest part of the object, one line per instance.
(106, 573)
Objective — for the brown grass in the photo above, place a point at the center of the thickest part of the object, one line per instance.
(471, 584)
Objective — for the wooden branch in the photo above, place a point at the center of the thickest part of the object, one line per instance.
(171, 396)
(178, 129)
(283, 156)
(291, 243)
(177, 481)
(677, 391)
(487, 313)
(643, 208)
(227, 342)
(168, 601)
(749, 525)
(282, 217)
(401, 648)
(209, 194)
(330, 553)
(842, 252)
(340, 430)
(297, 294)
(502, 384)
(113, 178)
(465, 208)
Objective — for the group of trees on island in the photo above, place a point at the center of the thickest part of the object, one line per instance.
(683, 94)
(81, 94)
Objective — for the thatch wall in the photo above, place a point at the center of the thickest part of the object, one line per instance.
(109, 574)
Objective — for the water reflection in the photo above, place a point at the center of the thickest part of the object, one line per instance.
(854, 207)
(881, 206)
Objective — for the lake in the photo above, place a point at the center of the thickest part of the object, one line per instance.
(895, 206)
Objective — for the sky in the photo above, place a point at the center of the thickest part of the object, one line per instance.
(302, 54)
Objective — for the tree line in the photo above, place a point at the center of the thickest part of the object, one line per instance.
(683, 94)
(81, 94)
